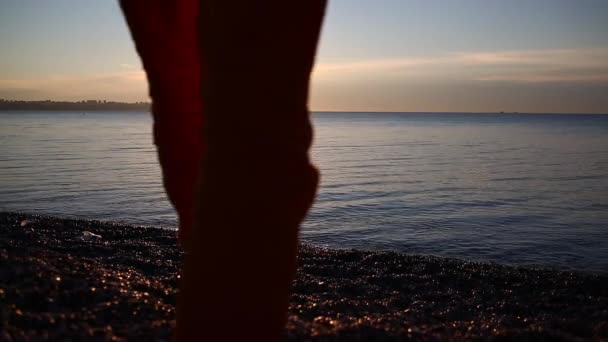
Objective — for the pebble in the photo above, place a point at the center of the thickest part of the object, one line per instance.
(55, 286)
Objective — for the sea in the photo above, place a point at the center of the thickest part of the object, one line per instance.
(514, 189)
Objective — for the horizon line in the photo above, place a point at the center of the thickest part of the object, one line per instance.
(506, 112)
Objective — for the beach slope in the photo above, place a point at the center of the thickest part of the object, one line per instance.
(76, 280)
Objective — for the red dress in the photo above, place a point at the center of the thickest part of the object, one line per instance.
(229, 84)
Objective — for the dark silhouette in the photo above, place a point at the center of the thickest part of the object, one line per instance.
(229, 86)
(87, 105)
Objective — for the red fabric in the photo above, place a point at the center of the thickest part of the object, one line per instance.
(237, 103)
(166, 37)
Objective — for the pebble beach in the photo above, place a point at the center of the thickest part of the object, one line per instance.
(67, 279)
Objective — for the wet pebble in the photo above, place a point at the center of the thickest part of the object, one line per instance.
(120, 283)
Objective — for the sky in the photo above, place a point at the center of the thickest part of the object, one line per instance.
(548, 56)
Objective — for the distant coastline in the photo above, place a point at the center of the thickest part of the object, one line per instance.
(86, 105)
(103, 105)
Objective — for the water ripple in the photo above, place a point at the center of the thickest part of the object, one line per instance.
(519, 189)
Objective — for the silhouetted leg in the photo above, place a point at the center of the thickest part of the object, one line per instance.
(257, 180)
(166, 38)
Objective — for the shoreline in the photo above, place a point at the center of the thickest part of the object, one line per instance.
(57, 283)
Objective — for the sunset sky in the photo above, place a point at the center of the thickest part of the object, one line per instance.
(384, 55)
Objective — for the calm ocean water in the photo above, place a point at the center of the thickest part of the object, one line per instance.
(513, 188)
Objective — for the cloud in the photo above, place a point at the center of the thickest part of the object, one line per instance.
(127, 66)
(527, 80)
(557, 65)
(128, 85)
(594, 57)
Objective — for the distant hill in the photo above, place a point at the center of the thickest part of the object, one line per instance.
(88, 105)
